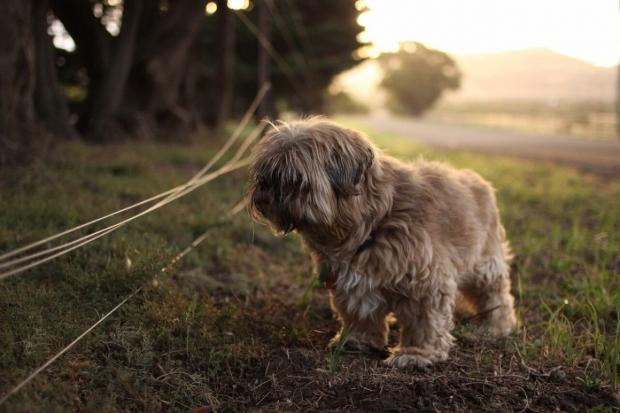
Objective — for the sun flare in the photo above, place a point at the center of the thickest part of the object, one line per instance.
(589, 30)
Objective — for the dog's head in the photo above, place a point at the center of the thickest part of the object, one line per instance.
(303, 173)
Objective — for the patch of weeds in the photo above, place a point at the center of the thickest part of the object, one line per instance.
(559, 334)
(606, 346)
(335, 352)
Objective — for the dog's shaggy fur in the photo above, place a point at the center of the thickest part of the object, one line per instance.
(398, 238)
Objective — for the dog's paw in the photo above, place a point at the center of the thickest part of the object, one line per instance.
(500, 331)
(353, 344)
(402, 360)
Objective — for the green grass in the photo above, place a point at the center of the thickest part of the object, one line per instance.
(240, 323)
(335, 353)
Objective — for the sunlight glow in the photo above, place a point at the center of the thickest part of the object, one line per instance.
(211, 8)
(238, 4)
(61, 37)
(586, 29)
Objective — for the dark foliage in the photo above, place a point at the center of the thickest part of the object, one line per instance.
(316, 40)
(145, 68)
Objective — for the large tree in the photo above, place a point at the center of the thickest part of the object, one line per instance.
(315, 39)
(156, 67)
(135, 78)
(415, 77)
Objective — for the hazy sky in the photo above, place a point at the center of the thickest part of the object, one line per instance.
(586, 29)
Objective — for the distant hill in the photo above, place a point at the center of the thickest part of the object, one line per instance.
(532, 74)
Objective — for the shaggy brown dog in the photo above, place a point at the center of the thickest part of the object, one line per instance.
(401, 238)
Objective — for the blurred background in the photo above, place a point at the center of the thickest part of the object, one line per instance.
(135, 69)
(543, 67)
(109, 70)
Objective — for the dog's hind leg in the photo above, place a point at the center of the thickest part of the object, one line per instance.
(489, 287)
(426, 322)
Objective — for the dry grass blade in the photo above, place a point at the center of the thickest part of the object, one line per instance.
(169, 194)
(87, 239)
(233, 211)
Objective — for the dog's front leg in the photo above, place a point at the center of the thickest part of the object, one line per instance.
(362, 311)
(426, 321)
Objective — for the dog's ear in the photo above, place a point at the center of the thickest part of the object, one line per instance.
(345, 170)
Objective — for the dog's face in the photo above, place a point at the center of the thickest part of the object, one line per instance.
(305, 173)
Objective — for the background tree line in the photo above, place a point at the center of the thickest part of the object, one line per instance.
(161, 68)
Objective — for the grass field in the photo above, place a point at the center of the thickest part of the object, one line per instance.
(241, 324)
(587, 120)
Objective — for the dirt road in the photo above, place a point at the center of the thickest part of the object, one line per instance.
(602, 157)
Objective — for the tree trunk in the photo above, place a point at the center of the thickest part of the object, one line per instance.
(224, 82)
(166, 64)
(161, 66)
(50, 104)
(16, 78)
(93, 42)
(107, 101)
(93, 45)
(133, 86)
(264, 63)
